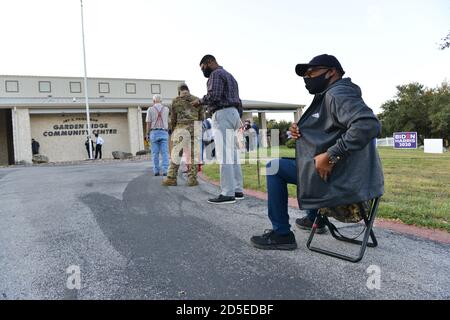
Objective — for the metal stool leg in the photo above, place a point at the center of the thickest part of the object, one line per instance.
(364, 243)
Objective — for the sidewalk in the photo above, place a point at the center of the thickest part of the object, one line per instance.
(80, 162)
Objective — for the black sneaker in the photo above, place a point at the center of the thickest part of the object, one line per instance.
(306, 224)
(156, 174)
(239, 196)
(272, 241)
(221, 199)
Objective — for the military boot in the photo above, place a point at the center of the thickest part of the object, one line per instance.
(169, 182)
(192, 182)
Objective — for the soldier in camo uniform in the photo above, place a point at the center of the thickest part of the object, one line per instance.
(183, 118)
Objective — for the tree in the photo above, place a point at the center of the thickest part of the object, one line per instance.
(282, 126)
(416, 108)
(445, 42)
(404, 113)
(439, 100)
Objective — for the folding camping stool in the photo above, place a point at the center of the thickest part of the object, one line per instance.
(368, 220)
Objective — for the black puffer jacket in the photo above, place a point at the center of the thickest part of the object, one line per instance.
(340, 123)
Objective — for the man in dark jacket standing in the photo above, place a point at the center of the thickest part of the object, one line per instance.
(336, 159)
(34, 147)
(86, 144)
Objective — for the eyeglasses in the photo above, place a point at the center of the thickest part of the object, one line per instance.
(313, 71)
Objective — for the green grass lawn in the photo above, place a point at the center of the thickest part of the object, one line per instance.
(417, 185)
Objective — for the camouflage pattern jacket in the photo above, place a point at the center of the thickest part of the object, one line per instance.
(183, 113)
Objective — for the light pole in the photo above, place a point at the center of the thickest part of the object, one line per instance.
(86, 85)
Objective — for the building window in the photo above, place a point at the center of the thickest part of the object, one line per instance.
(12, 86)
(103, 87)
(75, 87)
(45, 86)
(130, 88)
(156, 89)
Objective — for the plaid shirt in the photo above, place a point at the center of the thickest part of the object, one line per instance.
(222, 90)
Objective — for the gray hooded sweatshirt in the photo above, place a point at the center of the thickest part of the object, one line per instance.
(340, 123)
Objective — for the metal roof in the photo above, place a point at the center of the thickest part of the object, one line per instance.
(53, 102)
(81, 78)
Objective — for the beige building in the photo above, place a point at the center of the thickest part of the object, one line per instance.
(52, 111)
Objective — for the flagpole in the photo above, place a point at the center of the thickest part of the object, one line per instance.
(86, 85)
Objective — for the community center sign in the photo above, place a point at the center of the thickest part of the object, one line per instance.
(78, 128)
(405, 140)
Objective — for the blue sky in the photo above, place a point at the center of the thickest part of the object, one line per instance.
(380, 44)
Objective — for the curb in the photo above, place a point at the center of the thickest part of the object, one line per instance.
(79, 162)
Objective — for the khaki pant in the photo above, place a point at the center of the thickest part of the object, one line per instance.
(184, 143)
(225, 124)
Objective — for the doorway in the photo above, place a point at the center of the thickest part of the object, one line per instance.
(6, 138)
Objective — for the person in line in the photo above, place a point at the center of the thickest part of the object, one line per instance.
(256, 137)
(183, 118)
(86, 144)
(34, 147)
(247, 134)
(98, 146)
(208, 140)
(224, 104)
(157, 128)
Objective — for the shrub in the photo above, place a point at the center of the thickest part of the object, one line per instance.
(290, 143)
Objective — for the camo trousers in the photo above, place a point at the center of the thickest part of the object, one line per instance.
(184, 143)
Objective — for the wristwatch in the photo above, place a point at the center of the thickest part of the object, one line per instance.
(333, 159)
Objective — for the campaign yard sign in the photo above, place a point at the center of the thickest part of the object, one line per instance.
(405, 140)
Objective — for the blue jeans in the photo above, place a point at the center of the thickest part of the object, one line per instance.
(160, 143)
(278, 194)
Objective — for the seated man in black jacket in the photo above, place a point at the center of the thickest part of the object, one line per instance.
(336, 161)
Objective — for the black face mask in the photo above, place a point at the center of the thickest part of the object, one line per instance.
(207, 72)
(317, 84)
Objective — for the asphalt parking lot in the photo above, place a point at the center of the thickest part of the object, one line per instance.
(131, 238)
